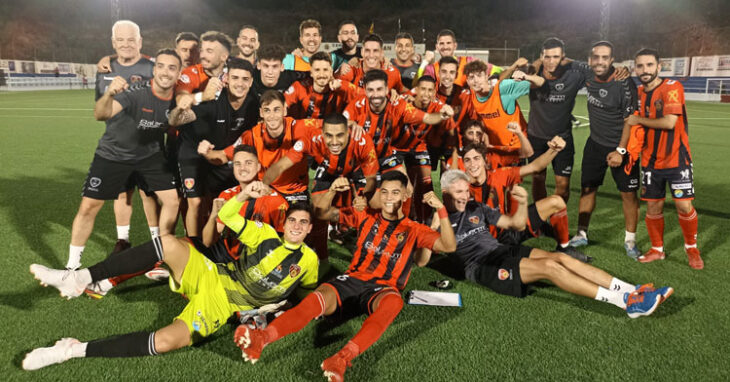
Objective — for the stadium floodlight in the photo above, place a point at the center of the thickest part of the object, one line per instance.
(605, 19)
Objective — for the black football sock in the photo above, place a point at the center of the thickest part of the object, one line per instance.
(133, 260)
(127, 345)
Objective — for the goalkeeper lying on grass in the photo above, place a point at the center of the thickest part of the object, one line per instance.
(218, 281)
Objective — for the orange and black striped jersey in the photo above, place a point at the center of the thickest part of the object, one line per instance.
(384, 250)
(665, 148)
(356, 75)
(192, 79)
(303, 102)
(269, 209)
(417, 132)
(387, 126)
(356, 155)
(495, 192)
(457, 99)
(270, 150)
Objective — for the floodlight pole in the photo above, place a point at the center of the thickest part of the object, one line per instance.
(116, 10)
(605, 19)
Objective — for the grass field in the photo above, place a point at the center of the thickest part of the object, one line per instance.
(47, 140)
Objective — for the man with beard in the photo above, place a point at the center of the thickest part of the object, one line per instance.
(446, 46)
(217, 281)
(204, 81)
(547, 216)
(373, 58)
(130, 148)
(248, 43)
(404, 59)
(384, 120)
(348, 37)
(310, 38)
(609, 103)
(271, 74)
(510, 269)
(335, 155)
(388, 245)
(663, 140)
(220, 122)
(320, 94)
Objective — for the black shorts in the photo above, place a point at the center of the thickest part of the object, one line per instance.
(563, 162)
(500, 271)
(436, 154)
(298, 197)
(354, 296)
(199, 178)
(323, 180)
(536, 227)
(414, 158)
(593, 168)
(390, 162)
(654, 183)
(107, 179)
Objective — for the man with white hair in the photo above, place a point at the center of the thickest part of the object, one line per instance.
(129, 64)
(508, 269)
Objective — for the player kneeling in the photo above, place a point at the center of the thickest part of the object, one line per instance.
(266, 272)
(508, 269)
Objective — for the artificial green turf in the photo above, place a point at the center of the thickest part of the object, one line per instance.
(47, 140)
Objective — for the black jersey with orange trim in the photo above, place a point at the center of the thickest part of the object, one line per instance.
(387, 126)
(665, 148)
(303, 102)
(270, 150)
(385, 249)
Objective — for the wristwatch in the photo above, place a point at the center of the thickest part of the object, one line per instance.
(621, 150)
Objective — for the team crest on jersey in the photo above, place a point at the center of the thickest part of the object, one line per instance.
(658, 105)
(294, 270)
(504, 274)
(400, 237)
(602, 92)
(135, 78)
(189, 183)
(185, 79)
(559, 87)
(94, 182)
(474, 219)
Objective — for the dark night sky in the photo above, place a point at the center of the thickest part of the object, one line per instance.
(79, 30)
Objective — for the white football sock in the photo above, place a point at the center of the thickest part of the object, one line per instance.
(621, 286)
(83, 276)
(79, 350)
(630, 236)
(74, 256)
(123, 232)
(155, 232)
(659, 249)
(611, 297)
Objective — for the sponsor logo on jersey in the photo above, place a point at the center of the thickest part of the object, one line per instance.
(135, 78)
(685, 174)
(294, 270)
(504, 274)
(673, 96)
(185, 79)
(298, 146)
(189, 183)
(681, 186)
(678, 193)
(474, 219)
